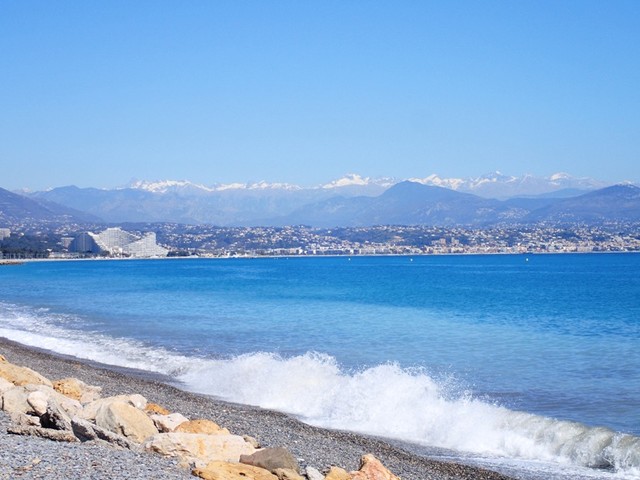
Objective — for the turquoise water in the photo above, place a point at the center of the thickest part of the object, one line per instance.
(492, 355)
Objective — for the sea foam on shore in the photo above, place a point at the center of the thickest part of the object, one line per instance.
(384, 400)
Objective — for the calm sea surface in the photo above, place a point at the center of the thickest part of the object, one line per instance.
(508, 357)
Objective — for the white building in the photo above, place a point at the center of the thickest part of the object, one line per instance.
(117, 242)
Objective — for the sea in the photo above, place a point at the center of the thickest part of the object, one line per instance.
(526, 364)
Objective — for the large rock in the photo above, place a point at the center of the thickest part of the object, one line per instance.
(14, 401)
(91, 409)
(207, 427)
(77, 389)
(314, 474)
(5, 385)
(57, 435)
(69, 405)
(232, 471)
(372, 469)
(55, 417)
(288, 474)
(199, 448)
(168, 423)
(271, 459)
(126, 420)
(85, 431)
(155, 409)
(21, 375)
(25, 420)
(337, 473)
(38, 401)
(35, 399)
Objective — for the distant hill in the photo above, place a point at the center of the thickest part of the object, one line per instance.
(411, 203)
(349, 201)
(16, 208)
(615, 203)
(406, 203)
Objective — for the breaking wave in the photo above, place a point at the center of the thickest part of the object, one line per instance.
(384, 400)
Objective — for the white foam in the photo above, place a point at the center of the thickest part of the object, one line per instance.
(385, 400)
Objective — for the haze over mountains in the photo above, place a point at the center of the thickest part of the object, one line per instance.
(354, 201)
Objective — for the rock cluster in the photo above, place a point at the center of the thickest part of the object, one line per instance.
(69, 410)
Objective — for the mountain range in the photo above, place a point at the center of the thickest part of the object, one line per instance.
(350, 201)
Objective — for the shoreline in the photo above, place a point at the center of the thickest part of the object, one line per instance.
(317, 447)
(288, 257)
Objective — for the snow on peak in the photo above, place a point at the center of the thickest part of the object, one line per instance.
(436, 181)
(348, 180)
(559, 177)
(163, 186)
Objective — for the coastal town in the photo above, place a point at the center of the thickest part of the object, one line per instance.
(173, 240)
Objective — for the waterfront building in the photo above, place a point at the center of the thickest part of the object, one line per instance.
(119, 243)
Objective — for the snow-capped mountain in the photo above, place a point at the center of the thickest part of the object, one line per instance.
(498, 185)
(260, 203)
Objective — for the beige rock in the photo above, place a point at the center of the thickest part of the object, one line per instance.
(91, 409)
(85, 431)
(252, 441)
(372, 469)
(21, 375)
(168, 423)
(201, 425)
(337, 473)
(126, 420)
(69, 405)
(57, 435)
(313, 473)
(38, 401)
(77, 389)
(271, 459)
(155, 409)
(199, 448)
(5, 385)
(2, 358)
(232, 471)
(14, 401)
(25, 420)
(287, 474)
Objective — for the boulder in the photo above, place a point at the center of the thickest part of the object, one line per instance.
(199, 448)
(85, 431)
(5, 385)
(271, 459)
(155, 409)
(372, 469)
(21, 375)
(77, 389)
(124, 419)
(232, 471)
(38, 402)
(91, 409)
(2, 359)
(25, 420)
(287, 474)
(69, 405)
(201, 426)
(337, 473)
(14, 401)
(314, 474)
(55, 417)
(57, 435)
(168, 423)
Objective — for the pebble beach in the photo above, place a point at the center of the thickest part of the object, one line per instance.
(36, 458)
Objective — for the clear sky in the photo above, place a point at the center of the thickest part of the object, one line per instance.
(96, 93)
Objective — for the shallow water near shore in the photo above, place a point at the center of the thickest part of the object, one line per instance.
(529, 362)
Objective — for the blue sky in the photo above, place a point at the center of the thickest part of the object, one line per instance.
(97, 93)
